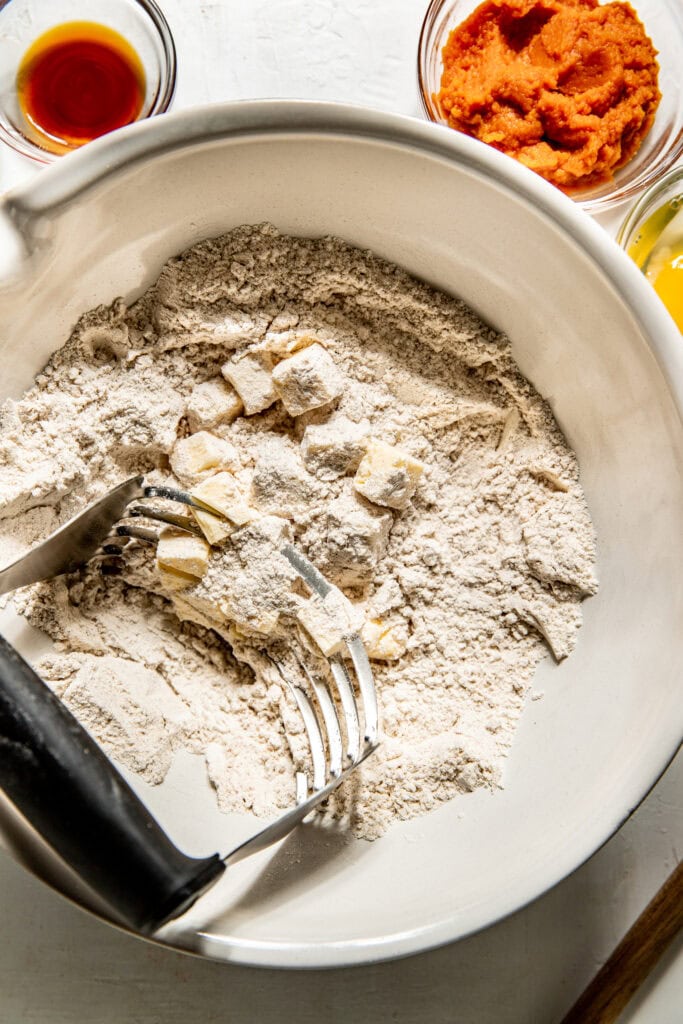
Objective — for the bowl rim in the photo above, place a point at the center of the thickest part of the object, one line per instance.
(76, 174)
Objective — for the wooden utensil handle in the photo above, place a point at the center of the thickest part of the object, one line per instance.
(629, 965)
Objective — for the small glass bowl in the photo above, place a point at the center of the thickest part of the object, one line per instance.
(140, 22)
(644, 224)
(668, 191)
(662, 146)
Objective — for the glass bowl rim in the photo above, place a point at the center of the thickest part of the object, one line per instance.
(643, 204)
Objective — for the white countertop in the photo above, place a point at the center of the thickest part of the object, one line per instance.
(59, 966)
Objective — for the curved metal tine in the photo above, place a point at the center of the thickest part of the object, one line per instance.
(113, 545)
(287, 822)
(301, 787)
(162, 515)
(171, 493)
(108, 564)
(316, 582)
(349, 707)
(182, 498)
(366, 683)
(311, 576)
(146, 533)
(330, 720)
(73, 544)
(316, 741)
(315, 737)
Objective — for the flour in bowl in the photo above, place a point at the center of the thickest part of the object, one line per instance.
(326, 397)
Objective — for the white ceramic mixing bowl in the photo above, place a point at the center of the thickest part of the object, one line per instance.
(592, 337)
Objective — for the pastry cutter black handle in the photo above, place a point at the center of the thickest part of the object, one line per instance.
(73, 796)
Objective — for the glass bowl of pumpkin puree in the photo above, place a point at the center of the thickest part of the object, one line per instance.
(587, 94)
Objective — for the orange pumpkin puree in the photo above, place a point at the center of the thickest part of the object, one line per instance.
(568, 87)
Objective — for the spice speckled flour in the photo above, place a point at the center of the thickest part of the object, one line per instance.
(377, 423)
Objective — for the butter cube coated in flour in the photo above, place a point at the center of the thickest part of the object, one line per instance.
(215, 528)
(212, 403)
(260, 539)
(354, 540)
(191, 608)
(332, 449)
(307, 380)
(283, 343)
(329, 620)
(384, 642)
(199, 453)
(251, 376)
(182, 552)
(255, 580)
(281, 485)
(261, 621)
(172, 582)
(387, 476)
(224, 494)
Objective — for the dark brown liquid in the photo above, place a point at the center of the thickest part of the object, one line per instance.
(78, 81)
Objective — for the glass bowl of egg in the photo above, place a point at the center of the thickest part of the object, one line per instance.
(652, 235)
(588, 94)
(72, 70)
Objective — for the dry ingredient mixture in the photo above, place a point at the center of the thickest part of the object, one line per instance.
(567, 87)
(314, 392)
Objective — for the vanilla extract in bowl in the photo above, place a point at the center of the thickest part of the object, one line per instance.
(78, 81)
(71, 73)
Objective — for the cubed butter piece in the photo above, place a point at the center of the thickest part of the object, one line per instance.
(260, 539)
(307, 380)
(182, 552)
(353, 541)
(281, 485)
(248, 578)
(330, 620)
(332, 449)
(189, 609)
(215, 528)
(173, 582)
(224, 495)
(212, 403)
(283, 343)
(199, 453)
(258, 620)
(251, 376)
(384, 642)
(387, 476)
